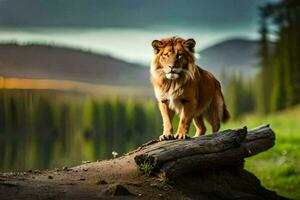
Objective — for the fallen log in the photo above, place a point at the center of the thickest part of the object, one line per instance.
(177, 157)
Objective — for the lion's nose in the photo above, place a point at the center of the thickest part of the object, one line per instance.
(171, 67)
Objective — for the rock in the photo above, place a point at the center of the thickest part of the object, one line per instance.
(101, 182)
(117, 190)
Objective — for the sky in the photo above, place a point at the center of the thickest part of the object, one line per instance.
(125, 29)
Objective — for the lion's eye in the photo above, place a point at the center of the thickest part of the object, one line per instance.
(165, 54)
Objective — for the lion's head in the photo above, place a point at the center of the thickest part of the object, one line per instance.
(174, 58)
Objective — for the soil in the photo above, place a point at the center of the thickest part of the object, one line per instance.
(118, 178)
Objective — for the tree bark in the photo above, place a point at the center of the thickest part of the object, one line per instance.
(177, 157)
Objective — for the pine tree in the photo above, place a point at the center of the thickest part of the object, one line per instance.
(264, 78)
(279, 93)
(284, 63)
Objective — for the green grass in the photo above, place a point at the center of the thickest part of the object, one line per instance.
(146, 168)
(279, 167)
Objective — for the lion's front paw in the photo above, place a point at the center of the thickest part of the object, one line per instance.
(197, 135)
(181, 136)
(166, 137)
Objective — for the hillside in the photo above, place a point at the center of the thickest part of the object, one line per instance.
(231, 55)
(58, 63)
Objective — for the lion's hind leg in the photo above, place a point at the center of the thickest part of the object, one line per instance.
(199, 125)
(213, 120)
(213, 114)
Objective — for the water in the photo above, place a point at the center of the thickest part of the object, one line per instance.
(43, 129)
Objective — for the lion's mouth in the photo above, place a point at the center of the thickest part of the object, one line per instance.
(172, 75)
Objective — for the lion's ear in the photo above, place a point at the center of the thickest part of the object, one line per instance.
(156, 44)
(190, 44)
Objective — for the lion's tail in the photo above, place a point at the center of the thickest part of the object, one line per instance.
(226, 114)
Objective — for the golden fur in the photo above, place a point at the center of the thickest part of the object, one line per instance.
(183, 87)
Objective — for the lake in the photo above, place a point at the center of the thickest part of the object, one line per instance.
(47, 129)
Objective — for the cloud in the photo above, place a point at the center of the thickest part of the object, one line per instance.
(131, 13)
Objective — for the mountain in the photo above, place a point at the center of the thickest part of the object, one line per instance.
(60, 63)
(231, 56)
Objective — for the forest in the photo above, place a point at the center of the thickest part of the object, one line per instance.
(277, 85)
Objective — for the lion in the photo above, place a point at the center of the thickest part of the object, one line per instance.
(183, 87)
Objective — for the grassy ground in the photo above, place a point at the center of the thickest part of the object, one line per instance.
(278, 168)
